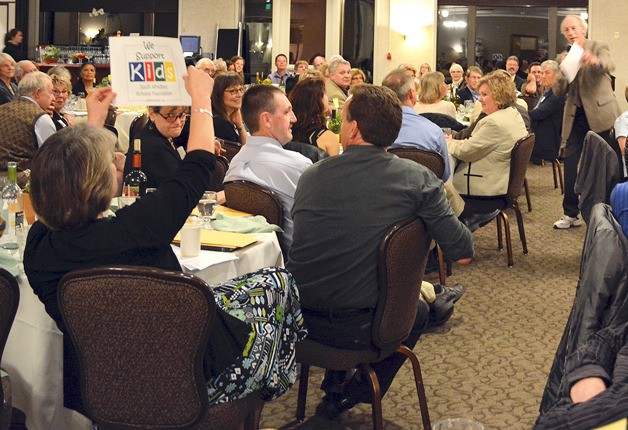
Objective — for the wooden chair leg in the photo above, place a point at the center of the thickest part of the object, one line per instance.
(508, 239)
(555, 173)
(449, 268)
(420, 388)
(378, 420)
(252, 420)
(500, 243)
(303, 380)
(525, 186)
(522, 232)
(442, 276)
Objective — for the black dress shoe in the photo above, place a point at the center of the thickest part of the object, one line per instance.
(442, 308)
(332, 406)
(478, 220)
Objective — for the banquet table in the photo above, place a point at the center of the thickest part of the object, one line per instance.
(33, 355)
(124, 118)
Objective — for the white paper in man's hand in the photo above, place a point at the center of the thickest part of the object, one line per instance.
(571, 63)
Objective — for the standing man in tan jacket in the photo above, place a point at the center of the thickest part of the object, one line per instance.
(590, 105)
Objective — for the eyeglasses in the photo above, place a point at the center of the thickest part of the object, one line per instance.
(172, 118)
(60, 92)
(236, 91)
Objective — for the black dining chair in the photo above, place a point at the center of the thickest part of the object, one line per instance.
(146, 329)
(401, 262)
(9, 300)
(435, 162)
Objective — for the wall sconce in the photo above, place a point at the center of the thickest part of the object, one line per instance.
(96, 12)
(454, 24)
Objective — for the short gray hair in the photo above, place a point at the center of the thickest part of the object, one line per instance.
(513, 58)
(220, 65)
(60, 71)
(455, 66)
(203, 61)
(551, 63)
(336, 63)
(6, 57)
(582, 22)
(400, 82)
(32, 82)
(19, 72)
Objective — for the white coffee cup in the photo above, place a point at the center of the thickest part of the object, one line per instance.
(190, 240)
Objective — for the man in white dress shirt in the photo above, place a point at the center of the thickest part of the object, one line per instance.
(267, 112)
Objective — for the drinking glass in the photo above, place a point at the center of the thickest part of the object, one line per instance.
(206, 207)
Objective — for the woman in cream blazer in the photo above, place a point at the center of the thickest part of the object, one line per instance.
(483, 160)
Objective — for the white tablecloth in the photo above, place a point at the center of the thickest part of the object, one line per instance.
(33, 355)
(123, 124)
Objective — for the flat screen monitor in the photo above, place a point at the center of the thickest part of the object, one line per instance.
(191, 45)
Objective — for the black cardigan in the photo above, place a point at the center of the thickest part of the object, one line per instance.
(140, 234)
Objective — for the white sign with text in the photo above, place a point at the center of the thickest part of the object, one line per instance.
(148, 71)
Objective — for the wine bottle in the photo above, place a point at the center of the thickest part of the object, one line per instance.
(335, 123)
(135, 180)
(12, 203)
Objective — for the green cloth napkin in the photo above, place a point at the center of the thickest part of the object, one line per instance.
(244, 224)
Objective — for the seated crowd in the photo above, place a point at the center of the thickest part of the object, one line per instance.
(329, 289)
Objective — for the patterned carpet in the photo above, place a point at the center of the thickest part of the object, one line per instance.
(490, 361)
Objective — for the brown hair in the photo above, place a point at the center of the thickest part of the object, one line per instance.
(71, 177)
(298, 63)
(378, 114)
(221, 82)
(307, 104)
(258, 99)
(10, 35)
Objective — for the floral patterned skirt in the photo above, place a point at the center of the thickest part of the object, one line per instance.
(268, 300)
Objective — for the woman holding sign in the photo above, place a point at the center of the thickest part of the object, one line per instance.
(251, 346)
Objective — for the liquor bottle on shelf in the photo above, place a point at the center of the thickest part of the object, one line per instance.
(257, 79)
(135, 180)
(12, 203)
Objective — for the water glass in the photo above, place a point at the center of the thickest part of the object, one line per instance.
(190, 239)
(206, 207)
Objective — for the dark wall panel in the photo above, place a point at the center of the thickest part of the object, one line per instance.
(112, 6)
